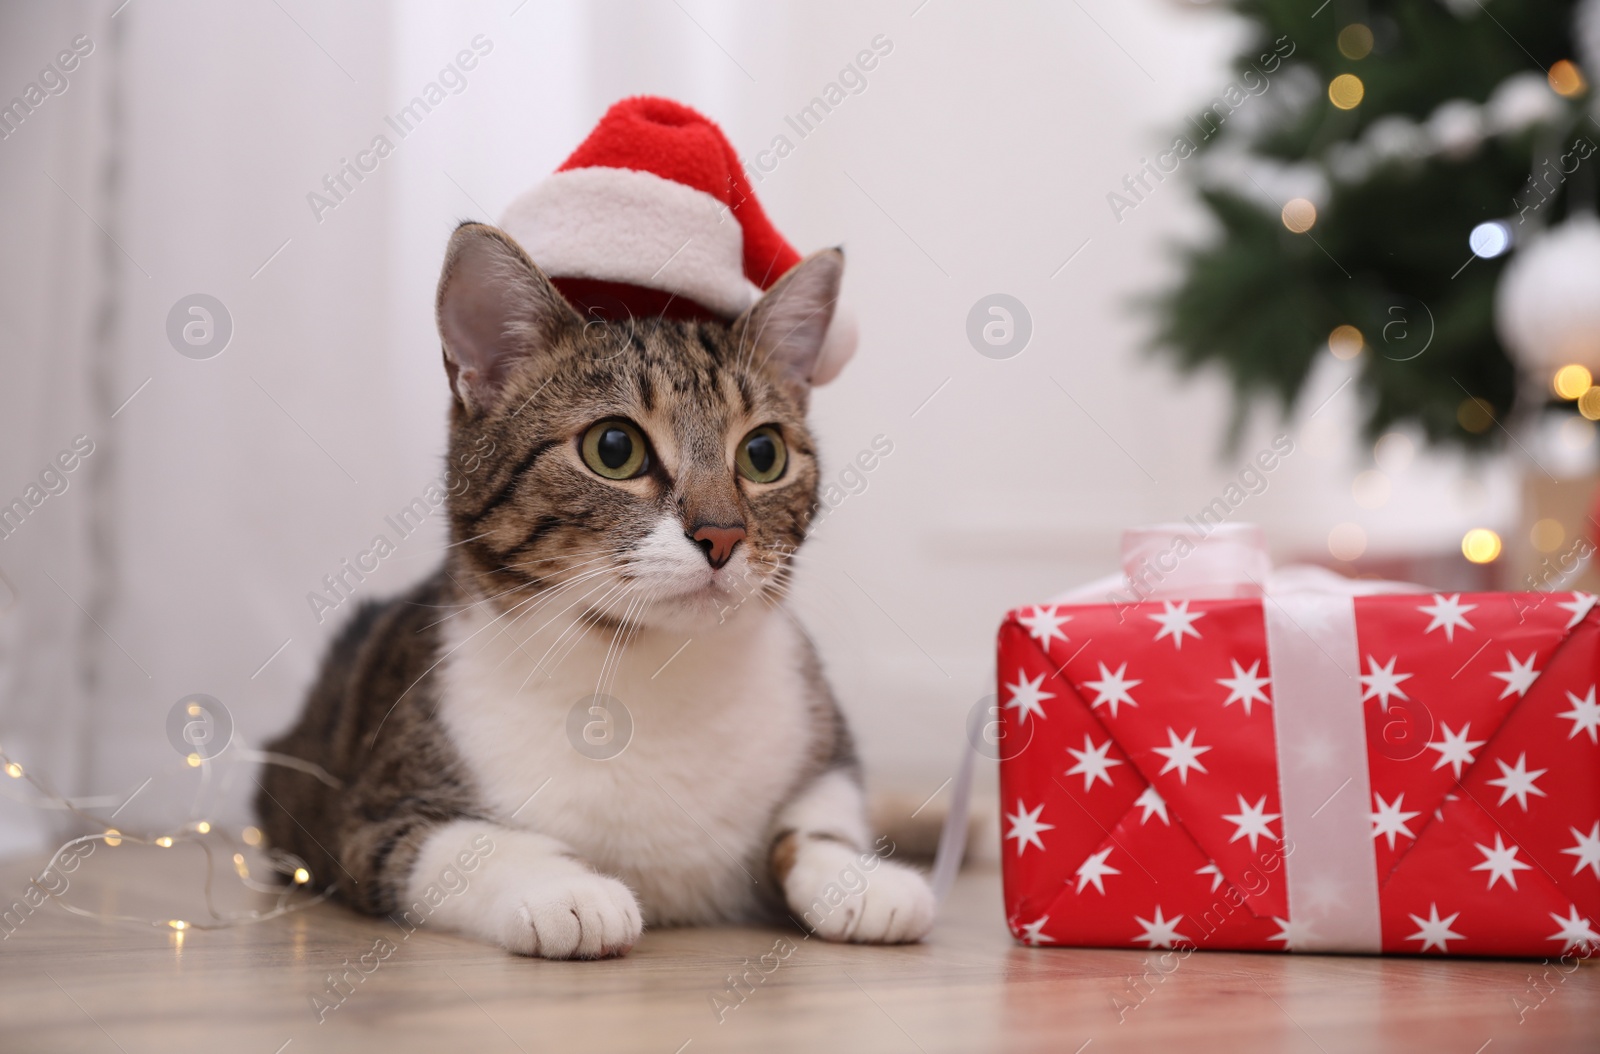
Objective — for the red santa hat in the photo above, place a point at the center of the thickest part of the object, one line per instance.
(652, 215)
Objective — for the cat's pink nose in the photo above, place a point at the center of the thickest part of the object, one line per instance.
(718, 542)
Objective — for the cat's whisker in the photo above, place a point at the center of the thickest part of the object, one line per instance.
(580, 624)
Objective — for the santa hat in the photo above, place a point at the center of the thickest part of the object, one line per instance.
(652, 215)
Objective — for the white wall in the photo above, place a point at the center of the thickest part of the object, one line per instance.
(977, 160)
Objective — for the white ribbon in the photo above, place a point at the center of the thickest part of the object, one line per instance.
(1330, 859)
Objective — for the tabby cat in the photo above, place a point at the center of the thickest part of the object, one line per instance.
(628, 537)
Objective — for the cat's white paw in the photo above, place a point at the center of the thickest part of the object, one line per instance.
(572, 916)
(842, 897)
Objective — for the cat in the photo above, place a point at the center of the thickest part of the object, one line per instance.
(621, 556)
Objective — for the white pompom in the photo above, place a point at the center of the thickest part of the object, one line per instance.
(1547, 307)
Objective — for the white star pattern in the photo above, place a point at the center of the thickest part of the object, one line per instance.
(1455, 749)
(1389, 820)
(1382, 681)
(1044, 625)
(1176, 620)
(1435, 932)
(1181, 754)
(1092, 762)
(1215, 872)
(1500, 862)
(1579, 605)
(1244, 686)
(1517, 781)
(1586, 849)
(1519, 676)
(1112, 688)
(1575, 930)
(1251, 821)
(1026, 696)
(1152, 804)
(1094, 869)
(1448, 613)
(1031, 935)
(1160, 932)
(1294, 935)
(1584, 715)
(1026, 828)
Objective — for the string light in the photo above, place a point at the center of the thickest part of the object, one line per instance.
(194, 760)
(1480, 545)
(1299, 215)
(294, 896)
(1346, 91)
(1566, 79)
(1570, 382)
(1589, 404)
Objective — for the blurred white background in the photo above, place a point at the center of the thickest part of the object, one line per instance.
(977, 160)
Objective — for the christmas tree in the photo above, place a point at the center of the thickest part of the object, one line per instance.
(1373, 174)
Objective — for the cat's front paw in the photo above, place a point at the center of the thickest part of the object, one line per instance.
(839, 899)
(576, 916)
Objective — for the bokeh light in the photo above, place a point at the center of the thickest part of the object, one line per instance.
(1566, 79)
(1346, 342)
(1347, 541)
(1547, 535)
(1299, 215)
(1355, 41)
(1572, 381)
(1346, 91)
(1480, 545)
(1589, 404)
(1475, 415)
(1489, 240)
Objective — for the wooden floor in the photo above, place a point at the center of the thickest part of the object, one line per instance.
(70, 984)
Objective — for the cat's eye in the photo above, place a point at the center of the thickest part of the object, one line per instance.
(615, 449)
(762, 456)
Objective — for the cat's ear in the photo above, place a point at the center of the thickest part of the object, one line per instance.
(788, 325)
(494, 308)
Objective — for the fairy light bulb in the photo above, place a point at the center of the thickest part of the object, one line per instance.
(1355, 41)
(301, 876)
(1570, 382)
(1299, 215)
(113, 837)
(251, 836)
(178, 924)
(1346, 342)
(1480, 545)
(14, 770)
(1589, 404)
(164, 842)
(1346, 91)
(193, 760)
(203, 827)
(1566, 79)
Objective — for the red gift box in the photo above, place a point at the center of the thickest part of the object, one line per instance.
(1306, 770)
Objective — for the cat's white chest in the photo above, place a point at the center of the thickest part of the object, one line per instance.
(720, 731)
